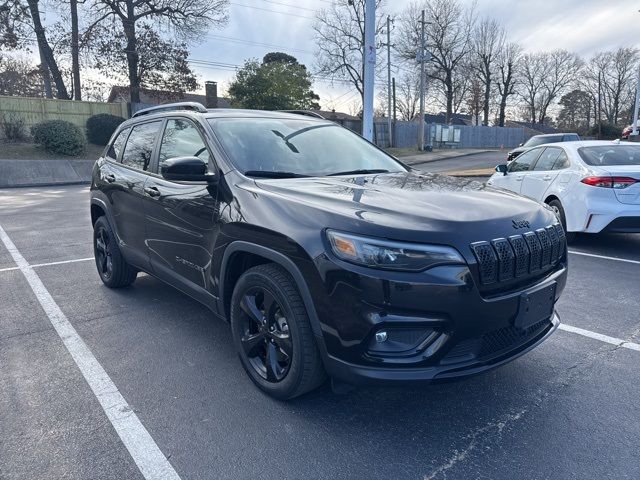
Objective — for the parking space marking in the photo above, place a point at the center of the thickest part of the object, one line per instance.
(604, 257)
(598, 336)
(62, 262)
(143, 449)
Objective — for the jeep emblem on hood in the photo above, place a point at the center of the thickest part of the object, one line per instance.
(517, 224)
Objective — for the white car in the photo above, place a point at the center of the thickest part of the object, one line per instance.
(593, 186)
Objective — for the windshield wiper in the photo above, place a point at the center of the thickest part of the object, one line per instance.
(274, 174)
(358, 172)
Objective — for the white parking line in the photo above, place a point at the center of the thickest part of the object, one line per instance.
(143, 449)
(604, 257)
(62, 262)
(598, 336)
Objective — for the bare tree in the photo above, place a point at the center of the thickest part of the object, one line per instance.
(448, 40)
(507, 77)
(487, 42)
(187, 18)
(616, 73)
(545, 77)
(339, 35)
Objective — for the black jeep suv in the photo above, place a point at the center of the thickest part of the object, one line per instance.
(327, 256)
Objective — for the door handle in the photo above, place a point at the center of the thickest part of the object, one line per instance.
(110, 177)
(519, 178)
(547, 177)
(152, 191)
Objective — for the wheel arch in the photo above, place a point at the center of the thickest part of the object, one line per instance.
(241, 253)
(552, 197)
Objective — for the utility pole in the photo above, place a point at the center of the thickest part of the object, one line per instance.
(393, 86)
(75, 51)
(634, 130)
(422, 87)
(390, 125)
(369, 68)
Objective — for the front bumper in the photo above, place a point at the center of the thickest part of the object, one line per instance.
(464, 331)
(367, 375)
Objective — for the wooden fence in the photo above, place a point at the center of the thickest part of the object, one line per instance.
(36, 110)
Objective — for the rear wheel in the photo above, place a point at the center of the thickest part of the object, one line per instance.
(272, 333)
(114, 271)
(556, 206)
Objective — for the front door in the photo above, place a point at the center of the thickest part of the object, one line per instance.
(517, 170)
(180, 216)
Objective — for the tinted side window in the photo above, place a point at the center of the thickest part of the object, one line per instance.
(523, 162)
(137, 153)
(561, 162)
(182, 139)
(547, 159)
(116, 146)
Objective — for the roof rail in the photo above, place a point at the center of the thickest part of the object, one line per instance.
(168, 107)
(308, 113)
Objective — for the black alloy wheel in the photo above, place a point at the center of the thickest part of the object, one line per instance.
(104, 258)
(266, 338)
(272, 333)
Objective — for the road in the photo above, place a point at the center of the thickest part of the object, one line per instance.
(478, 160)
(567, 410)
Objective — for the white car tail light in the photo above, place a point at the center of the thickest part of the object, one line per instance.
(609, 182)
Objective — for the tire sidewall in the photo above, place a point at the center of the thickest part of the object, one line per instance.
(101, 223)
(288, 385)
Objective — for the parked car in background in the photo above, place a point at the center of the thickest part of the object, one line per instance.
(540, 140)
(627, 131)
(593, 186)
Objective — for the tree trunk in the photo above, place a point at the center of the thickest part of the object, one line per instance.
(503, 108)
(47, 53)
(75, 53)
(487, 95)
(129, 26)
(449, 84)
(46, 76)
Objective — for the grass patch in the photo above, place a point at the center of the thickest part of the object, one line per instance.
(29, 151)
(403, 152)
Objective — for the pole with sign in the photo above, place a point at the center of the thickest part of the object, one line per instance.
(369, 68)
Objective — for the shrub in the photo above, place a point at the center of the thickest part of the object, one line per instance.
(100, 127)
(609, 131)
(58, 136)
(13, 126)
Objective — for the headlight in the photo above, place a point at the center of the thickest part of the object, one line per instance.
(390, 255)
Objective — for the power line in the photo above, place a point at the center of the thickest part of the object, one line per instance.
(290, 5)
(259, 44)
(272, 11)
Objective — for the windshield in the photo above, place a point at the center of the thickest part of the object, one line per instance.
(606, 156)
(535, 141)
(298, 147)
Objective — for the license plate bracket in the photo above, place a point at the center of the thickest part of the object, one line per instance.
(535, 305)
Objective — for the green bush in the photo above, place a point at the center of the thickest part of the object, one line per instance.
(58, 136)
(13, 127)
(609, 131)
(100, 128)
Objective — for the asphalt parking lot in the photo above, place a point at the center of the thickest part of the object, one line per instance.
(568, 409)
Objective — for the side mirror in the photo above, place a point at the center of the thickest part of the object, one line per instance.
(501, 169)
(186, 169)
(521, 144)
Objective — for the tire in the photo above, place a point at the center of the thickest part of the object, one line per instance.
(272, 333)
(114, 271)
(557, 207)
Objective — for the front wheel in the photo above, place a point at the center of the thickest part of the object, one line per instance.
(556, 206)
(272, 333)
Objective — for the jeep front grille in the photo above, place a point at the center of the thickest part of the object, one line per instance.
(519, 256)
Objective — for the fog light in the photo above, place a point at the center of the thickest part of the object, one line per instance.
(381, 336)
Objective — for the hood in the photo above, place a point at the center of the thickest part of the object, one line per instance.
(411, 206)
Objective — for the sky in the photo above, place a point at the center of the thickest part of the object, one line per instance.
(581, 26)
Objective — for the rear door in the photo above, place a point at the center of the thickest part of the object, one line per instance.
(517, 170)
(127, 190)
(538, 180)
(181, 216)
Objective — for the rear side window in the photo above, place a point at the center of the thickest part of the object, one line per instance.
(523, 162)
(571, 138)
(608, 156)
(547, 159)
(116, 145)
(137, 153)
(562, 162)
(182, 139)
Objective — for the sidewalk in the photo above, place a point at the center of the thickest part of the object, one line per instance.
(426, 157)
